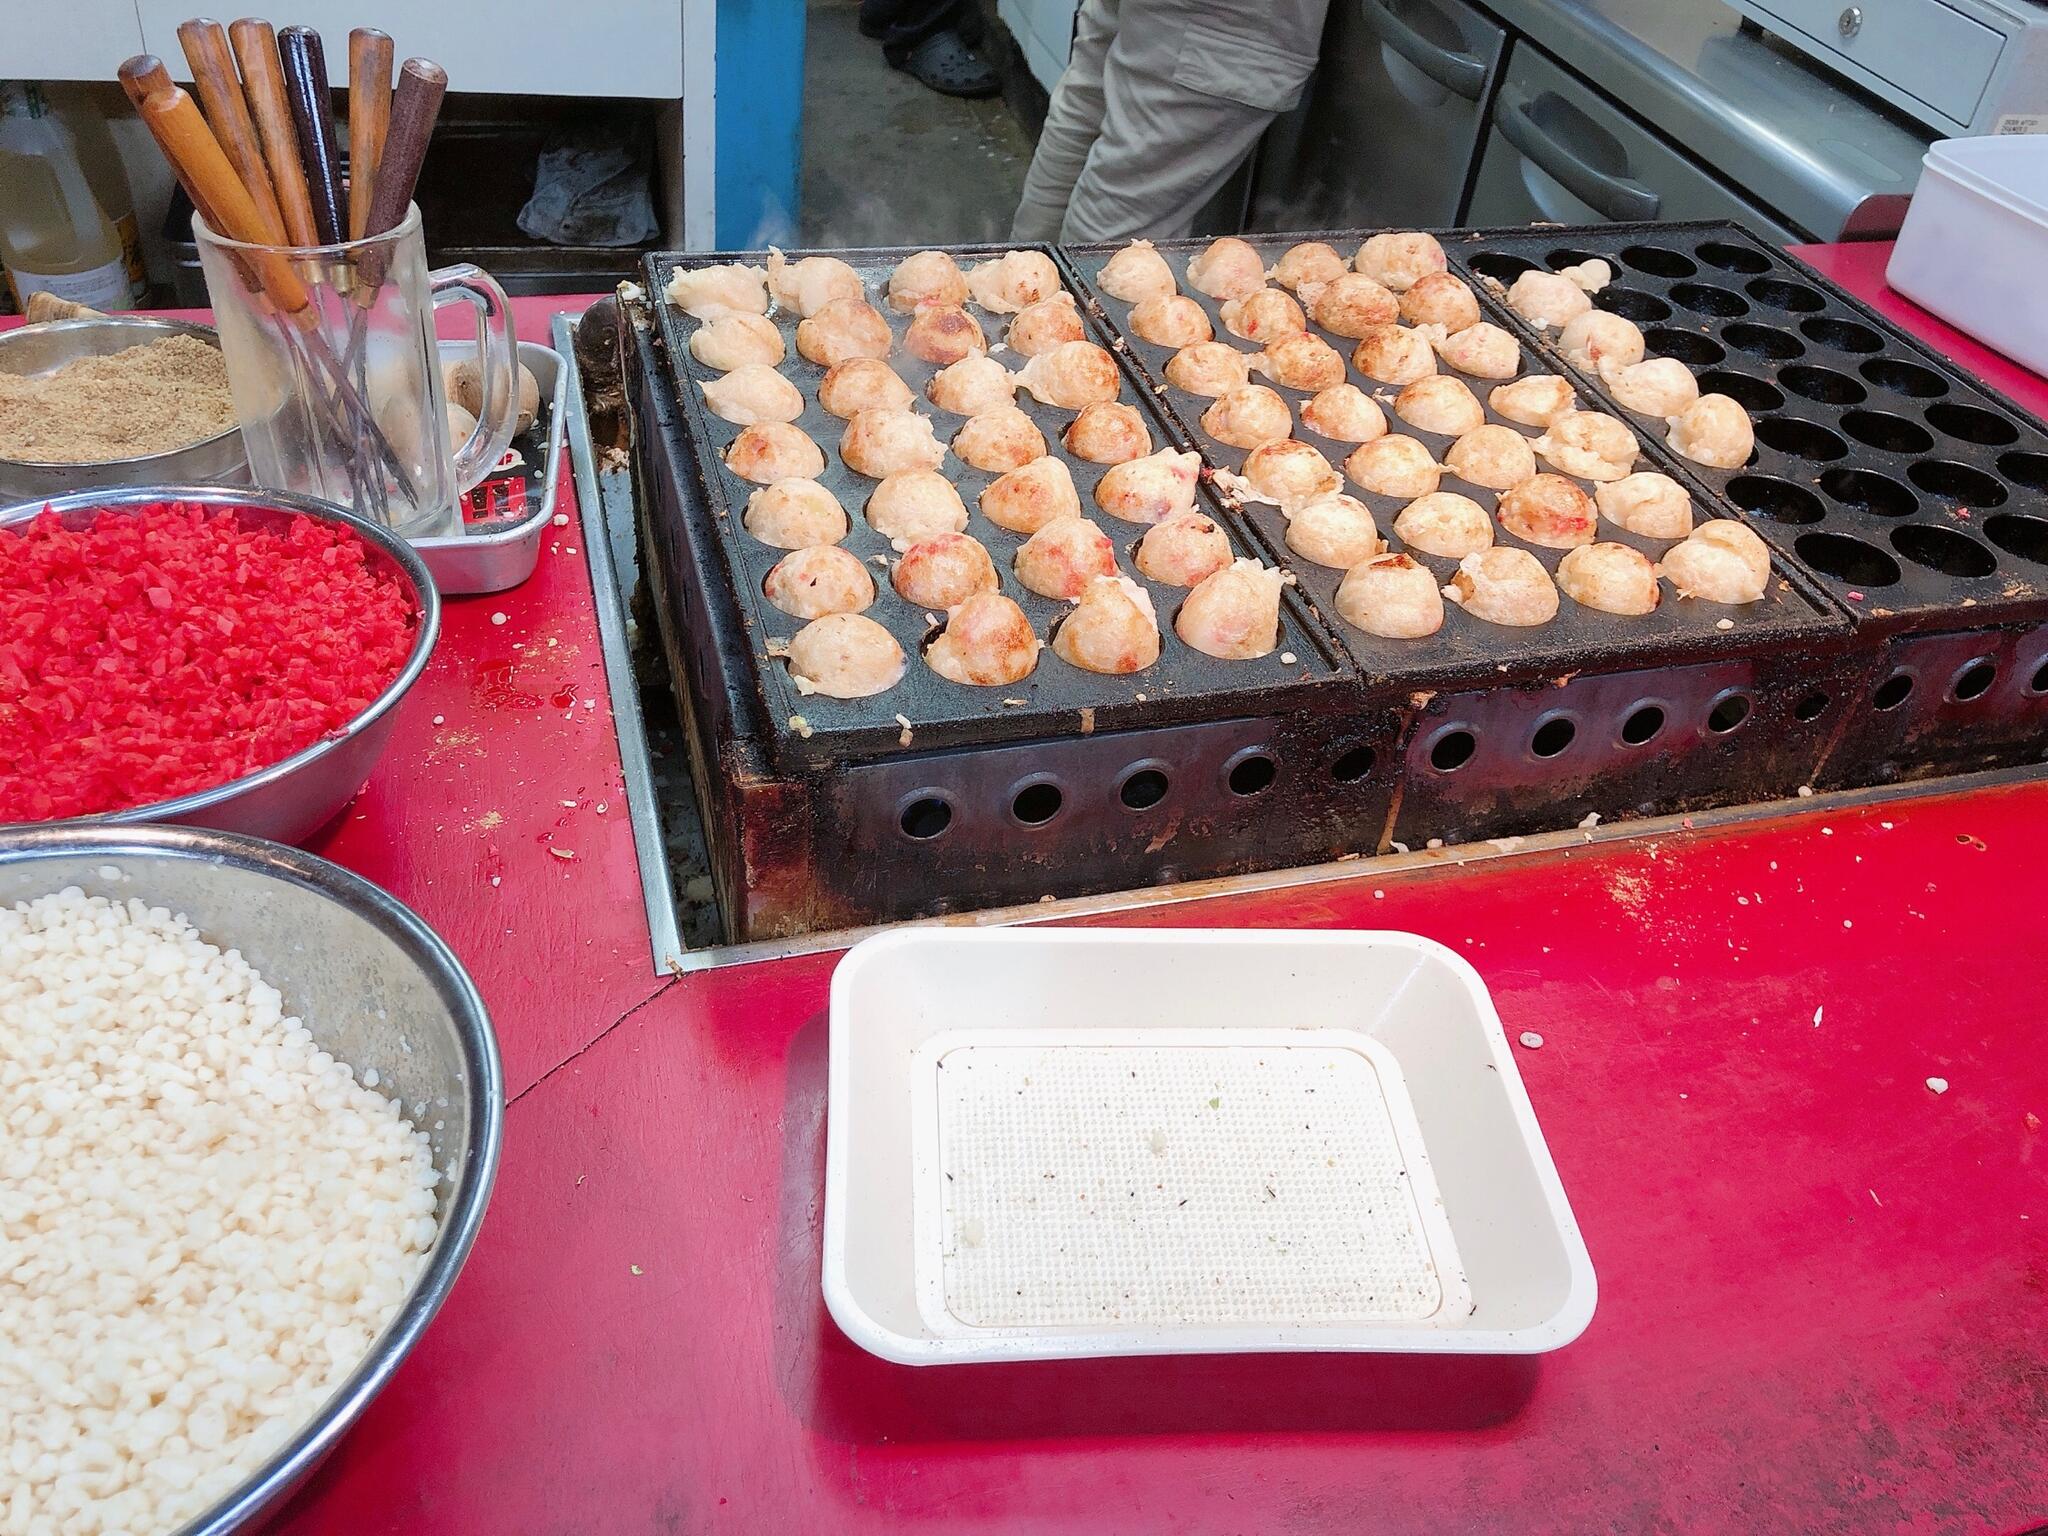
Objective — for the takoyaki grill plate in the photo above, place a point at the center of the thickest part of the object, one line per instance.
(1914, 496)
(1056, 700)
(1469, 650)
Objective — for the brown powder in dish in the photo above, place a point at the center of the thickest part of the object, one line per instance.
(149, 399)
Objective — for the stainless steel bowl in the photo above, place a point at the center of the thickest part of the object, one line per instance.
(374, 985)
(291, 800)
(39, 349)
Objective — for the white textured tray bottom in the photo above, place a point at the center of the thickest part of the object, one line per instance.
(1177, 1185)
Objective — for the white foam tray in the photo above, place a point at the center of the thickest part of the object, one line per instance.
(1417, 1211)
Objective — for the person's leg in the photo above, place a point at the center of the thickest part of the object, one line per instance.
(1188, 90)
(1072, 122)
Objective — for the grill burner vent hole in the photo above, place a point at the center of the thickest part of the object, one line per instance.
(925, 818)
(1036, 804)
(1810, 707)
(1728, 713)
(1144, 789)
(1353, 765)
(1975, 680)
(1552, 737)
(1452, 751)
(1643, 723)
(1892, 692)
(1249, 775)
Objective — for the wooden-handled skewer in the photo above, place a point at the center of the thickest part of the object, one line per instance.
(263, 81)
(306, 89)
(369, 118)
(143, 77)
(219, 89)
(174, 118)
(415, 105)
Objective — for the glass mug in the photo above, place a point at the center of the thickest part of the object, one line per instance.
(336, 375)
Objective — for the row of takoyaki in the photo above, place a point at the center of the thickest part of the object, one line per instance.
(1232, 612)
(1395, 278)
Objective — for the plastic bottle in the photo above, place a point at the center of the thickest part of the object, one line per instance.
(107, 176)
(54, 236)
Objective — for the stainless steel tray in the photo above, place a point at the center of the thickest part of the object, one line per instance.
(493, 560)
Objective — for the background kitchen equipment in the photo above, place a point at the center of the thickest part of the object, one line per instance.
(1440, 112)
(1959, 66)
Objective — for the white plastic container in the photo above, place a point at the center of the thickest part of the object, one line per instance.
(1454, 1237)
(1974, 245)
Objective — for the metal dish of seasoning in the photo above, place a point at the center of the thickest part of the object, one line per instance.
(38, 351)
(289, 800)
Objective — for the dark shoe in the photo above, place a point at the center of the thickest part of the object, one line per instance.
(944, 63)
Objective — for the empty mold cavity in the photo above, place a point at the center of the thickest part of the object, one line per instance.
(1779, 294)
(1779, 500)
(2026, 537)
(1894, 434)
(1564, 256)
(1957, 483)
(1706, 299)
(1822, 384)
(1842, 335)
(1904, 378)
(2028, 469)
(1659, 261)
(1689, 347)
(1847, 559)
(1631, 304)
(1500, 266)
(1801, 439)
(1750, 393)
(1765, 341)
(1944, 550)
(1733, 258)
(1971, 424)
(1865, 490)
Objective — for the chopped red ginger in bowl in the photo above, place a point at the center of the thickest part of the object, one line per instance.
(157, 653)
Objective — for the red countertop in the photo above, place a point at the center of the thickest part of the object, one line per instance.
(1822, 1286)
